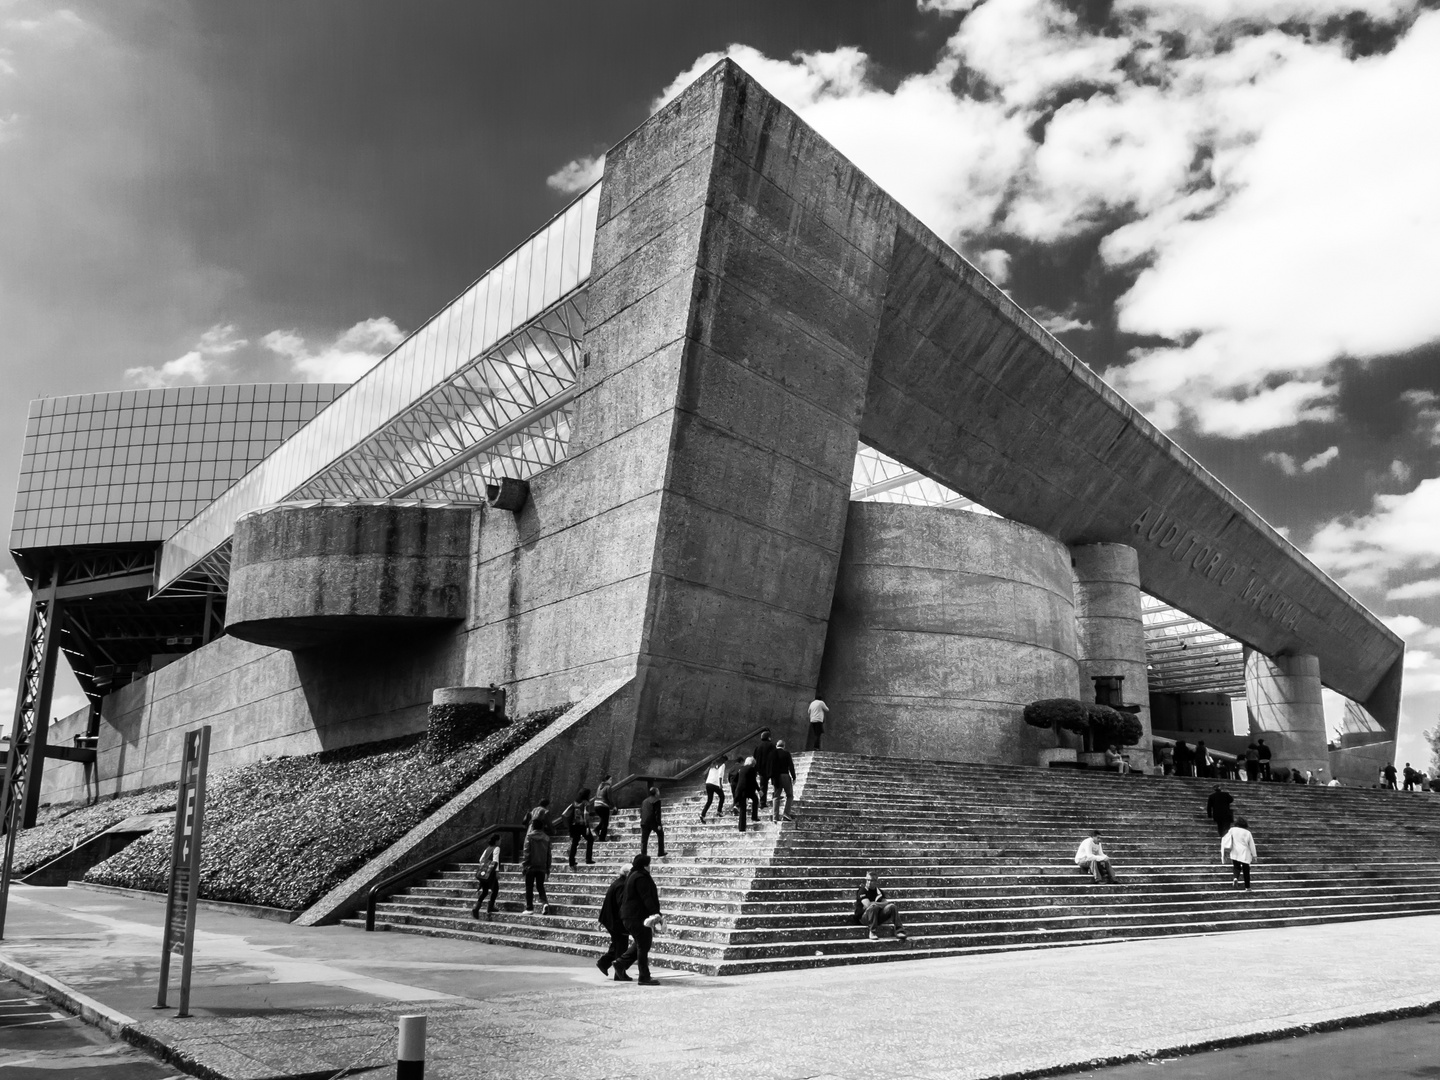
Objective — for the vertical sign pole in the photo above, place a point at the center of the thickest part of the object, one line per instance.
(196, 823)
(185, 866)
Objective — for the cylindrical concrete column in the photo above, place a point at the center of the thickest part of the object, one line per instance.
(1282, 697)
(945, 625)
(1109, 627)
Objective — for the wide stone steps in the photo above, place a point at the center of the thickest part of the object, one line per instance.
(978, 857)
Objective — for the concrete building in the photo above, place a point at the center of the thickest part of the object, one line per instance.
(653, 449)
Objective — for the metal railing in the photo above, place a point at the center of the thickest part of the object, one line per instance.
(386, 885)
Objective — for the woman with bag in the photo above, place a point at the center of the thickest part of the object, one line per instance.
(487, 877)
(714, 787)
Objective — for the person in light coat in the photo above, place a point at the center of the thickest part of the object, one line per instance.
(1091, 859)
(1239, 847)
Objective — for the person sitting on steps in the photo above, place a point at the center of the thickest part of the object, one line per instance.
(1091, 859)
(874, 908)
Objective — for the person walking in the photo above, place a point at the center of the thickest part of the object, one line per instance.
(535, 858)
(1238, 845)
(603, 804)
(817, 712)
(1091, 859)
(762, 753)
(573, 817)
(714, 787)
(613, 921)
(650, 822)
(874, 908)
(1409, 777)
(640, 913)
(487, 877)
(1389, 773)
(1217, 809)
(1252, 763)
(1184, 763)
(746, 795)
(541, 816)
(1264, 753)
(782, 772)
(1203, 766)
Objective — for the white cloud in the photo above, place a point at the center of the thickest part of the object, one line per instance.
(1285, 462)
(577, 175)
(1415, 590)
(1398, 535)
(1400, 471)
(14, 604)
(994, 263)
(1422, 671)
(1320, 460)
(1060, 322)
(345, 358)
(206, 362)
(1257, 289)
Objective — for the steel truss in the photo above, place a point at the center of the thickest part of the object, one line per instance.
(20, 795)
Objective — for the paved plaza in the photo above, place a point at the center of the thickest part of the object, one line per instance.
(273, 1000)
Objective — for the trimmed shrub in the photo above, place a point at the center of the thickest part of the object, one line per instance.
(1109, 725)
(1065, 714)
(282, 832)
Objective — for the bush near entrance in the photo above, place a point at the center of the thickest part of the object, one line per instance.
(284, 831)
(1099, 724)
(1059, 714)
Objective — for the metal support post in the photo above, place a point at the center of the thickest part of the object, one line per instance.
(24, 761)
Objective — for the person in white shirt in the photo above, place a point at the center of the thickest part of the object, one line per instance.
(714, 786)
(818, 709)
(1090, 857)
(1239, 847)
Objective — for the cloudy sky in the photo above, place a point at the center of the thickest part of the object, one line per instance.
(1228, 207)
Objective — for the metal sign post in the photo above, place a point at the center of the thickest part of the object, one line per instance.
(185, 866)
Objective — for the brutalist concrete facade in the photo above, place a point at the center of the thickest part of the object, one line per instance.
(756, 305)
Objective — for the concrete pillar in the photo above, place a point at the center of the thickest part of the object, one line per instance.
(1109, 629)
(1282, 695)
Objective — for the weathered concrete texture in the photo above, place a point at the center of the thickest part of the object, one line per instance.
(1360, 766)
(945, 625)
(970, 390)
(1109, 627)
(264, 702)
(308, 575)
(1282, 696)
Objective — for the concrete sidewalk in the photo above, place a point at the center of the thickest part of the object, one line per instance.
(274, 1000)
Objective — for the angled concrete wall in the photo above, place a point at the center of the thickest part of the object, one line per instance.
(946, 624)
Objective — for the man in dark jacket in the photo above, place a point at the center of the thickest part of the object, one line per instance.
(747, 795)
(639, 911)
(612, 919)
(1263, 752)
(782, 772)
(535, 858)
(540, 818)
(650, 822)
(764, 749)
(1217, 808)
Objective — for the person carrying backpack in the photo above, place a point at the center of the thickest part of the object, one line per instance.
(602, 804)
(573, 817)
(487, 877)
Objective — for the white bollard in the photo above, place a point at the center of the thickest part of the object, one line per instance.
(410, 1057)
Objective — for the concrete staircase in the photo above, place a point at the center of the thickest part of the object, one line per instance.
(979, 857)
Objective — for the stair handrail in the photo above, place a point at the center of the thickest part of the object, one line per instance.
(372, 896)
(691, 770)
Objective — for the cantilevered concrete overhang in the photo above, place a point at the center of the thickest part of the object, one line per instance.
(968, 389)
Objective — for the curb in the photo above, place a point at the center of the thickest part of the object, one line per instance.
(113, 1023)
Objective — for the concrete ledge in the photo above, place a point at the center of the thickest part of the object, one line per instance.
(250, 911)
